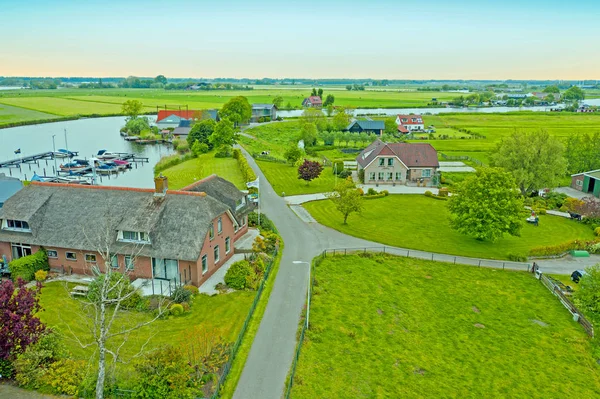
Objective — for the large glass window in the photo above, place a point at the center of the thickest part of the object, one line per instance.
(114, 261)
(129, 262)
(19, 250)
(426, 173)
(227, 245)
(17, 225)
(71, 255)
(216, 253)
(167, 269)
(135, 236)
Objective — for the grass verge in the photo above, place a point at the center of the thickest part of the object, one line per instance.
(284, 179)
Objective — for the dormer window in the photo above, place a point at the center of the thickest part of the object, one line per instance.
(15, 225)
(134, 236)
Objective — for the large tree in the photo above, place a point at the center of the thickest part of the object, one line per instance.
(535, 159)
(329, 100)
(237, 110)
(161, 79)
(487, 206)
(551, 89)
(224, 134)
(309, 170)
(341, 119)
(308, 134)
(573, 93)
(201, 131)
(583, 152)
(293, 154)
(346, 198)
(132, 108)
(390, 126)
(312, 115)
(278, 101)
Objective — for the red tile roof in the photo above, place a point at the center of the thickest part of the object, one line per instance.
(186, 114)
(413, 155)
(315, 100)
(402, 129)
(409, 119)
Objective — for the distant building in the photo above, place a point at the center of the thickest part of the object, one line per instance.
(8, 186)
(312, 102)
(409, 123)
(266, 112)
(172, 119)
(370, 127)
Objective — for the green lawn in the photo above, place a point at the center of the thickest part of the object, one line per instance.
(387, 327)
(224, 314)
(205, 165)
(284, 179)
(10, 114)
(418, 222)
(62, 106)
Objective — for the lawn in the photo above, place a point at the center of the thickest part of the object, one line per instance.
(62, 106)
(284, 179)
(10, 114)
(418, 222)
(226, 316)
(205, 165)
(386, 327)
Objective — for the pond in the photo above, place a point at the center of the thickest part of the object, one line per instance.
(86, 136)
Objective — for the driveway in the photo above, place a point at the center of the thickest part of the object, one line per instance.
(12, 392)
(571, 192)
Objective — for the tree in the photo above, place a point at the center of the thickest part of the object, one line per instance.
(588, 294)
(329, 109)
(487, 205)
(535, 159)
(134, 127)
(313, 93)
(328, 100)
(237, 110)
(201, 131)
(348, 87)
(574, 93)
(583, 152)
(312, 115)
(132, 108)
(341, 120)
(551, 89)
(390, 126)
(224, 134)
(364, 137)
(278, 101)
(19, 326)
(549, 98)
(161, 79)
(346, 198)
(293, 154)
(309, 170)
(308, 134)
(320, 92)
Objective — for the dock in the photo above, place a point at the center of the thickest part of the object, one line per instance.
(16, 163)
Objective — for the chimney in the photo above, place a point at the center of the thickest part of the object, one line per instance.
(161, 185)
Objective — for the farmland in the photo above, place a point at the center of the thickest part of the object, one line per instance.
(406, 328)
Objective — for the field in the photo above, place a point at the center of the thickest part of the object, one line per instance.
(10, 114)
(205, 165)
(284, 179)
(418, 222)
(386, 327)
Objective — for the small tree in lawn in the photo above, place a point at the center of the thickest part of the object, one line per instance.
(293, 154)
(346, 198)
(132, 108)
(19, 327)
(487, 206)
(309, 170)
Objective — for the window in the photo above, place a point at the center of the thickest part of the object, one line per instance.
(91, 258)
(216, 253)
(135, 236)
(204, 264)
(227, 245)
(18, 225)
(166, 269)
(404, 120)
(380, 176)
(114, 261)
(390, 176)
(579, 182)
(390, 161)
(220, 225)
(71, 255)
(426, 173)
(19, 250)
(52, 254)
(381, 161)
(398, 175)
(212, 231)
(372, 176)
(129, 262)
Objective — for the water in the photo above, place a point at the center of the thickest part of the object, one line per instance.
(86, 136)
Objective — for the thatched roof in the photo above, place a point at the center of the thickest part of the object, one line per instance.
(222, 190)
(89, 218)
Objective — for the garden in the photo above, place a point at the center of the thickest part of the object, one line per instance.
(383, 326)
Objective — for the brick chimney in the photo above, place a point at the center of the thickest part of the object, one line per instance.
(161, 185)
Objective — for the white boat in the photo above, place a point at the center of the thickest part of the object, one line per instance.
(105, 155)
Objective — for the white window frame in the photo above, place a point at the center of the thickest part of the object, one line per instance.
(6, 222)
(390, 162)
(219, 225)
(398, 175)
(114, 261)
(211, 231)
(227, 245)
(390, 176)
(380, 176)
(139, 237)
(216, 254)
(204, 264)
(372, 175)
(23, 248)
(129, 262)
(55, 253)
(424, 174)
(90, 256)
(381, 161)
(73, 258)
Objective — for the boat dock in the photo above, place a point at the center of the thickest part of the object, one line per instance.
(16, 163)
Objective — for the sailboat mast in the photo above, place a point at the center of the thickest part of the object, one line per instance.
(66, 144)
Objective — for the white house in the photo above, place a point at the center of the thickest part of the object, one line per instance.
(409, 123)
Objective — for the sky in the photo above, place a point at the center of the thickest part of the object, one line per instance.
(379, 39)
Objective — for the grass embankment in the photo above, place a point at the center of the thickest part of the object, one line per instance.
(204, 165)
(407, 328)
(418, 222)
(226, 316)
(284, 179)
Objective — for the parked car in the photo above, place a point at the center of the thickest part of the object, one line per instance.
(577, 275)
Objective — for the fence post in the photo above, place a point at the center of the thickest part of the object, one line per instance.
(502, 265)
(479, 262)
(432, 256)
(455, 260)
(408, 253)
(384, 249)
(345, 249)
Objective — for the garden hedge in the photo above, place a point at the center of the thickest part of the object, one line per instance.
(26, 266)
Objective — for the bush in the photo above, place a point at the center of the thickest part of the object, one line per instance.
(122, 284)
(171, 160)
(344, 174)
(361, 176)
(338, 167)
(371, 191)
(265, 223)
(443, 192)
(176, 309)
(597, 231)
(237, 275)
(40, 275)
(385, 193)
(199, 148)
(182, 147)
(559, 249)
(517, 257)
(192, 289)
(180, 294)
(246, 170)
(64, 376)
(428, 193)
(360, 191)
(7, 368)
(223, 151)
(26, 266)
(186, 307)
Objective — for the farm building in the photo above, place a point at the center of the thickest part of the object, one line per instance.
(587, 182)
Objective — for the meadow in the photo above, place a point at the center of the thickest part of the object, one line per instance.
(10, 114)
(419, 222)
(387, 327)
(284, 179)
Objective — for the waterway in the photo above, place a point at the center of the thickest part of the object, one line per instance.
(86, 136)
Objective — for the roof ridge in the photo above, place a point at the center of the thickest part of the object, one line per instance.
(197, 183)
(114, 188)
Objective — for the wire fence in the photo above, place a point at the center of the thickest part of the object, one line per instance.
(460, 158)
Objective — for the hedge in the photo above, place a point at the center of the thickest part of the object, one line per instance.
(171, 160)
(550, 250)
(246, 170)
(26, 266)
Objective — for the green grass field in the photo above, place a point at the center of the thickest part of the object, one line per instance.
(284, 179)
(10, 114)
(226, 316)
(388, 327)
(205, 165)
(418, 222)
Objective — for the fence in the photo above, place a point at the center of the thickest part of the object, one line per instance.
(460, 158)
(577, 315)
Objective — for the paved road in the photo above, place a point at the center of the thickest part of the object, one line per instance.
(12, 392)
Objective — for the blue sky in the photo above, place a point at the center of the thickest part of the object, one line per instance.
(527, 39)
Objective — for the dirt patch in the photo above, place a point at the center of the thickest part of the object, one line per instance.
(539, 323)
(479, 325)
(476, 309)
(420, 371)
(428, 277)
(379, 311)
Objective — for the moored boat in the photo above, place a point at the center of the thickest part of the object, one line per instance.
(103, 154)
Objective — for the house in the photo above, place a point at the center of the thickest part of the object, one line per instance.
(8, 186)
(172, 119)
(409, 123)
(312, 102)
(398, 163)
(587, 182)
(376, 127)
(263, 112)
(181, 235)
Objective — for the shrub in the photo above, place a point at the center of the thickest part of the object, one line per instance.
(542, 211)
(7, 368)
(182, 147)
(597, 231)
(176, 309)
(361, 176)
(26, 266)
(236, 276)
(428, 193)
(180, 294)
(344, 174)
(246, 170)
(64, 376)
(40, 275)
(385, 193)
(372, 197)
(360, 191)
(192, 289)
(371, 191)
(171, 160)
(224, 151)
(186, 306)
(199, 148)
(338, 167)
(562, 248)
(265, 223)
(443, 192)
(517, 257)
(122, 285)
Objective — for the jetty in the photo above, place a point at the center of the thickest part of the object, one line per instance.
(16, 163)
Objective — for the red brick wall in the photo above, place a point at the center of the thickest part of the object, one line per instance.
(574, 180)
(209, 245)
